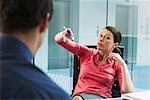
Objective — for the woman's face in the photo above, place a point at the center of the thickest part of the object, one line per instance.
(105, 41)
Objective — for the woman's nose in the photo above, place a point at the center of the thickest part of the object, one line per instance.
(101, 39)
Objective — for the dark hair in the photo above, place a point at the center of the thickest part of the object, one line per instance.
(117, 37)
(116, 33)
(23, 15)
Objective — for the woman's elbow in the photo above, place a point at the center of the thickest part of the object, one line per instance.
(129, 90)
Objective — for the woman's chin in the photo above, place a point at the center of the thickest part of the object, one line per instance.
(98, 48)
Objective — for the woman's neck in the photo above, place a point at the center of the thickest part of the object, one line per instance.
(103, 58)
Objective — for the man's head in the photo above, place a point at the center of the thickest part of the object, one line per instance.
(24, 17)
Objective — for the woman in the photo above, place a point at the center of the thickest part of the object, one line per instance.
(99, 67)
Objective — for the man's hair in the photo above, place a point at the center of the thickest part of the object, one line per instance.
(23, 15)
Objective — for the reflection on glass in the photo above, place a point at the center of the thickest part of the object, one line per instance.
(132, 20)
(132, 17)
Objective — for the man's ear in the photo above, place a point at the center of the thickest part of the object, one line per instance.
(44, 23)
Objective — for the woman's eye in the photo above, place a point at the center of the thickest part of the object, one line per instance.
(108, 38)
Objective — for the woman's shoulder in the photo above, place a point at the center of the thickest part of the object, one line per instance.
(89, 52)
(93, 51)
(117, 66)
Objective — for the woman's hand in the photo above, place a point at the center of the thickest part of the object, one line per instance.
(117, 58)
(64, 35)
(68, 33)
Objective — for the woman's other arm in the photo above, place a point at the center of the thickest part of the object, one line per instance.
(127, 85)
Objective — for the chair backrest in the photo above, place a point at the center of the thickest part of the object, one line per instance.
(115, 88)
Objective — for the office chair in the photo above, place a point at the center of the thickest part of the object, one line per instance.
(115, 88)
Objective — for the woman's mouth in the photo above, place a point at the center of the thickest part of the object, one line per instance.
(99, 44)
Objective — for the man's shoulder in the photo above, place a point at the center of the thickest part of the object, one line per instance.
(44, 90)
(33, 84)
(42, 85)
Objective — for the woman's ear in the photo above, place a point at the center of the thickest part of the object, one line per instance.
(116, 44)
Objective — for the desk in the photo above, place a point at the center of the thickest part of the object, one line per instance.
(113, 99)
(143, 95)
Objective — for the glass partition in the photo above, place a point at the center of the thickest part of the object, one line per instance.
(131, 17)
(133, 21)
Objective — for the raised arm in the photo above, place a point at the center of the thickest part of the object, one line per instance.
(64, 40)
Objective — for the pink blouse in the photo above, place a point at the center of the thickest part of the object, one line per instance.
(93, 78)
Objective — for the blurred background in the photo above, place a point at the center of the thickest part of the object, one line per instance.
(85, 18)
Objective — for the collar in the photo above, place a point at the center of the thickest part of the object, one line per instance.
(11, 45)
(97, 56)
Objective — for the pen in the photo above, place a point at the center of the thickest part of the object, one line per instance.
(69, 32)
(64, 27)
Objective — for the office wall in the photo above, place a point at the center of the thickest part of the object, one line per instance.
(143, 48)
(92, 14)
(41, 57)
(134, 24)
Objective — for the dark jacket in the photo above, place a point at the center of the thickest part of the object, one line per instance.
(20, 79)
